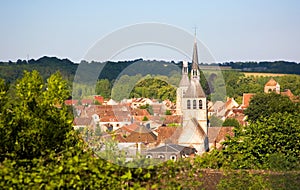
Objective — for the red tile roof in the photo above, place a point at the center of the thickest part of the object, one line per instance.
(127, 129)
(288, 93)
(246, 99)
(100, 99)
(140, 112)
(86, 101)
(218, 134)
(82, 121)
(142, 134)
(168, 134)
(271, 82)
(71, 102)
(172, 119)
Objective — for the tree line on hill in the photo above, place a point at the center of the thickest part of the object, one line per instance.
(285, 67)
(10, 71)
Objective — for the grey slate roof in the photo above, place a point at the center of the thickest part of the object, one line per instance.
(167, 148)
(184, 81)
(194, 90)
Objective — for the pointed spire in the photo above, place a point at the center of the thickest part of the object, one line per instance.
(195, 56)
(195, 71)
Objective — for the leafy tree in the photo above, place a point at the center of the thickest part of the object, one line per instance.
(215, 121)
(154, 88)
(264, 139)
(231, 122)
(103, 88)
(263, 105)
(36, 120)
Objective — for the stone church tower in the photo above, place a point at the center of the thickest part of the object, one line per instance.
(192, 106)
(183, 86)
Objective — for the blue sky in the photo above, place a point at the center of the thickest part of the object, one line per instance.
(233, 30)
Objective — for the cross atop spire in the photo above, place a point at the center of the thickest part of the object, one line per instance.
(195, 33)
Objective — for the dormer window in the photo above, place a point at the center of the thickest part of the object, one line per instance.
(188, 104)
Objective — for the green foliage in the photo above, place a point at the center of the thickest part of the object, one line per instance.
(35, 120)
(148, 108)
(123, 86)
(103, 88)
(215, 121)
(263, 105)
(45, 65)
(154, 88)
(168, 112)
(145, 118)
(243, 180)
(231, 122)
(266, 142)
(268, 67)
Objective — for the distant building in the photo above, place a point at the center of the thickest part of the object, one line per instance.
(170, 152)
(272, 86)
(192, 106)
(246, 100)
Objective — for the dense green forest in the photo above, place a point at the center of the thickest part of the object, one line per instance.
(10, 71)
(40, 149)
(267, 66)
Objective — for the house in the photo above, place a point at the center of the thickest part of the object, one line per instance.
(113, 123)
(143, 135)
(172, 120)
(246, 100)
(71, 102)
(218, 108)
(217, 135)
(138, 102)
(170, 152)
(111, 102)
(99, 99)
(272, 86)
(127, 129)
(82, 123)
(87, 102)
(168, 134)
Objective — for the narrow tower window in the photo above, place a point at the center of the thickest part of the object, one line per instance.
(185, 70)
(188, 104)
(200, 104)
(194, 104)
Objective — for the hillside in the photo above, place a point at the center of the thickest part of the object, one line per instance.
(10, 71)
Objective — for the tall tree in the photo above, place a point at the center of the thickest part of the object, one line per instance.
(37, 121)
(258, 144)
(263, 105)
(103, 88)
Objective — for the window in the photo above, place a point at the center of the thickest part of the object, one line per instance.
(149, 156)
(200, 104)
(194, 104)
(161, 156)
(173, 157)
(188, 104)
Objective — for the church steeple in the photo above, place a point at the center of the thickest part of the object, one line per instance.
(195, 71)
(184, 82)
